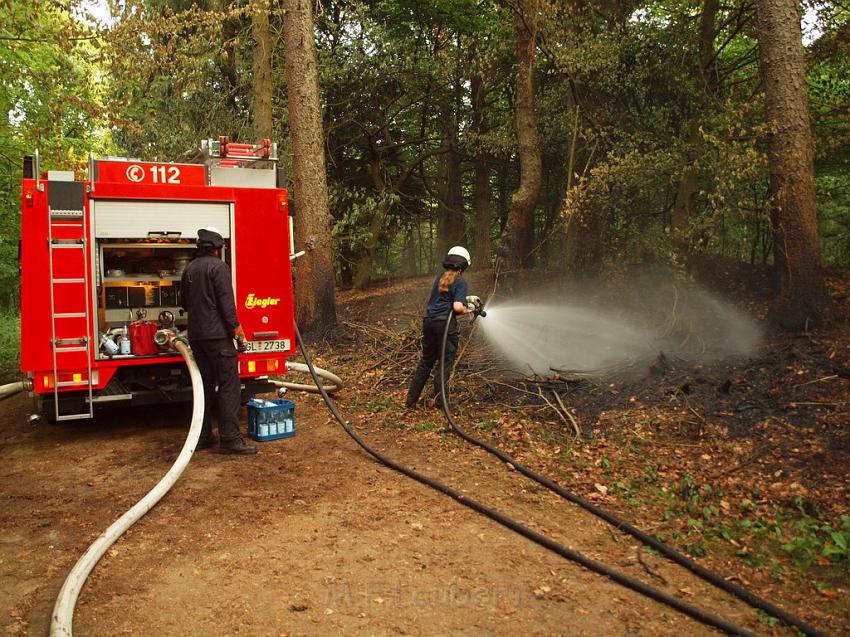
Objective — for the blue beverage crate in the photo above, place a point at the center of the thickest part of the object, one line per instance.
(264, 418)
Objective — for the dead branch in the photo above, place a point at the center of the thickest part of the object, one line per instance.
(818, 380)
(569, 415)
(553, 406)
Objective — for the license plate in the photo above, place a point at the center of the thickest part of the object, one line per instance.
(258, 347)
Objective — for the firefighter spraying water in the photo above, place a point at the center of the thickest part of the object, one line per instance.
(447, 301)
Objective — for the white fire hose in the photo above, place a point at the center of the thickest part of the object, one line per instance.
(63, 611)
(9, 390)
(334, 380)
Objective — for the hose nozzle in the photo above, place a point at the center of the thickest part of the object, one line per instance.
(475, 305)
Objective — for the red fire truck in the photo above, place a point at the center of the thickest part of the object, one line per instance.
(101, 262)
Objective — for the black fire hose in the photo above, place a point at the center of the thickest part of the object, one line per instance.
(712, 578)
(597, 567)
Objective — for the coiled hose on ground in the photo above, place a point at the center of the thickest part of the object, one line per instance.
(636, 585)
(63, 612)
(336, 381)
(712, 578)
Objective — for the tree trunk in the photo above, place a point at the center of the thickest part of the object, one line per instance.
(315, 301)
(801, 297)
(450, 226)
(226, 61)
(408, 254)
(261, 86)
(705, 66)
(688, 188)
(483, 208)
(503, 200)
(518, 228)
(450, 214)
(584, 241)
(367, 260)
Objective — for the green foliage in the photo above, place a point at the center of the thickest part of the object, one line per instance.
(755, 530)
(427, 425)
(51, 100)
(833, 194)
(376, 406)
(828, 81)
(619, 91)
(179, 74)
(733, 218)
(811, 538)
(633, 189)
(10, 345)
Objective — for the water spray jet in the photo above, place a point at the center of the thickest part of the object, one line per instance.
(596, 339)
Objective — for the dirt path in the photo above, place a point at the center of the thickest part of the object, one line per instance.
(309, 537)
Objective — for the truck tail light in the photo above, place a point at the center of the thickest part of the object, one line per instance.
(256, 367)
(283, 203)
(68, 379)
(28, 197)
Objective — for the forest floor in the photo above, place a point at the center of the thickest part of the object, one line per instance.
(742, 464)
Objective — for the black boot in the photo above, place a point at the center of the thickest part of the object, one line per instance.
(205, 442)
(237, 445)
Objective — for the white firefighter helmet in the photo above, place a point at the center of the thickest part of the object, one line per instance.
(460, 251)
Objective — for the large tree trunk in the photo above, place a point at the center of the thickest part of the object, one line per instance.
(801, 296)
(483, 207)
(518, 229)
(315, 300)
(261, 86)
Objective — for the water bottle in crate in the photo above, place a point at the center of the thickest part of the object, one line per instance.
(270, 419)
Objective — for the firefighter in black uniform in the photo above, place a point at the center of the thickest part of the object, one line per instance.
(207, 295)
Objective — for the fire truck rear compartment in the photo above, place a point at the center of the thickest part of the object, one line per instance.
(101, 264)
(140, 251)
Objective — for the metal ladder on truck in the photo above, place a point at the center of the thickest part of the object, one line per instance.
(70, 333)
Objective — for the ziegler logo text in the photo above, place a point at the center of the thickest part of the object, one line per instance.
(252, 301)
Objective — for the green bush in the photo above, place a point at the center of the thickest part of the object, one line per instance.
(10, 344)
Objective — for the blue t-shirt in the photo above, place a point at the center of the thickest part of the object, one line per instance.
(439, 303)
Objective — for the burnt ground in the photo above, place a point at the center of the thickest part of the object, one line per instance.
(743, 465)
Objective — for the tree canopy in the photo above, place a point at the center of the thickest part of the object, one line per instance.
(651, 127)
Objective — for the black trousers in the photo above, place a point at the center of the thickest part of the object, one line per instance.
(432, 341)
(219, 367)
